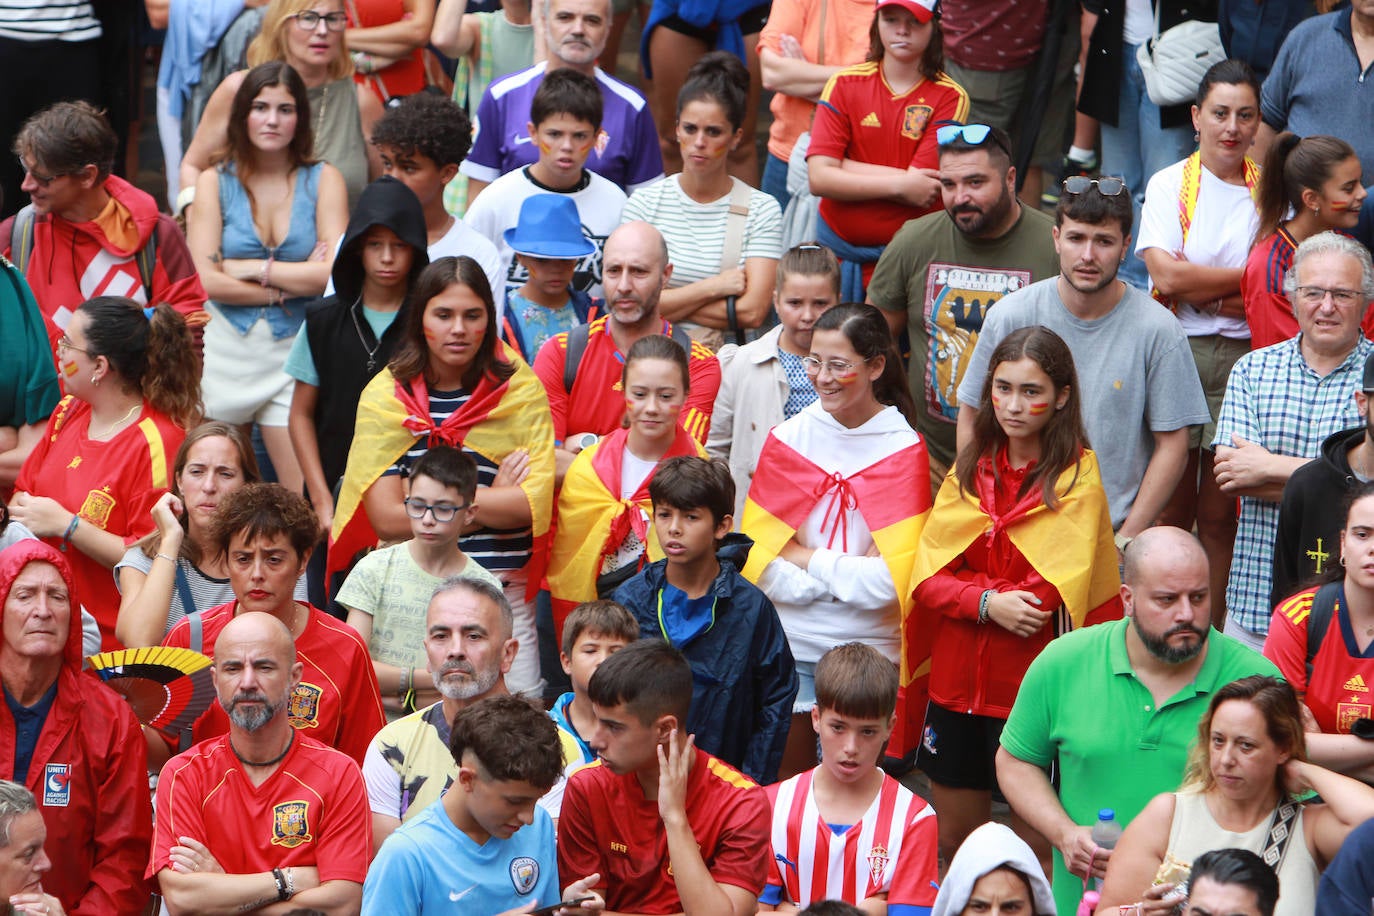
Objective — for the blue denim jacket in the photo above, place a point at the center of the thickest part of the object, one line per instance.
(240, 240)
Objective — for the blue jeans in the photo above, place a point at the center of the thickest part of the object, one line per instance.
(775, 179)
(1136, 148)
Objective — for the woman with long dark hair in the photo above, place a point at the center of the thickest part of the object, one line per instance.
(713, 292)
(453, 382)
(260, 236)
(1017, 550)
(835, 506)
(133, 389)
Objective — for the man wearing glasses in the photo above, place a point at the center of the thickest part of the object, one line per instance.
(87, 232)
(945, 270)
(1281, 402)
(1136, 374)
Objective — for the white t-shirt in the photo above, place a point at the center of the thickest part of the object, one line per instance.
(1140, 22)
(1224, 225)
(497, 209)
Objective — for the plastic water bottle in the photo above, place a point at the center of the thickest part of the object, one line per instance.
(1106, 831)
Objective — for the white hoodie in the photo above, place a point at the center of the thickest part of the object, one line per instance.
(988, 848)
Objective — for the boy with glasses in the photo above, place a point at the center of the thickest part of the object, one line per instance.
(387, 594)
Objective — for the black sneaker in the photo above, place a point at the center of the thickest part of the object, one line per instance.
(1049, 198)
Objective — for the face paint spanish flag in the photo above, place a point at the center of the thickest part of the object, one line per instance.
(593, 521)
(1071, 546)
(499, 418)
(892, 495)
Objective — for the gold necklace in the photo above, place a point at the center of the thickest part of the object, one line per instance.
(94, 435)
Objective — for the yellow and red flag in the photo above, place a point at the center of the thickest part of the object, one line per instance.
(499, 418)
(593, 521)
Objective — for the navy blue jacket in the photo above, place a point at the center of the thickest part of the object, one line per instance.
(744, 680)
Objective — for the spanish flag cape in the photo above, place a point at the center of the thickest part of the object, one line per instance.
(593, 521)
(892, 495)
(497, 419)
(1071, 546)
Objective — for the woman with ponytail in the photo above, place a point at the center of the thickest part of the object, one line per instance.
(88, 488)
(1309, 185)
(836, 505)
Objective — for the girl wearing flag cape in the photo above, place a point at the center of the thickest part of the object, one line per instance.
(836, 506)
(452, 382)
(603, 534)
(1017, 549)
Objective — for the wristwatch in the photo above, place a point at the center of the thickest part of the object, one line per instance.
(587, 440)
(1122, 541)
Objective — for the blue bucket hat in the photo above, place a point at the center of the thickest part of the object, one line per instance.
(549, 227)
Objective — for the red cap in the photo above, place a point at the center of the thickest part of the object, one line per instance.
(923, 10)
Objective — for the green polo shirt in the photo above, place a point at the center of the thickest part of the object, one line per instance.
(1082, 705)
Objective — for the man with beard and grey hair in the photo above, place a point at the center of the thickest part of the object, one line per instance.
(1115, 706)
(469, 641)
(265, 813)
(944, 271)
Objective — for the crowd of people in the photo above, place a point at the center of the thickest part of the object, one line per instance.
(581, 516)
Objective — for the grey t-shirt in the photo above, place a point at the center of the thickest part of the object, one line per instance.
(1135, 373)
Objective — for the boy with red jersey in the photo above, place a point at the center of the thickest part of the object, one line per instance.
(667, 827)
(846, 830)
(265, 813)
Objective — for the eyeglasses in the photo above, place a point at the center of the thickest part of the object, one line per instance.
(837, 367)
(1107, 187)
(65, 343)
(442, 512)
(972, 134)
(1315, 295)
(42, 179)
(309, 20)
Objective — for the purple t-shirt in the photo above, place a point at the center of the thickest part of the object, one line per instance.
(626, 150)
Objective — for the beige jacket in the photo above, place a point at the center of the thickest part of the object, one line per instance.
(753, 388)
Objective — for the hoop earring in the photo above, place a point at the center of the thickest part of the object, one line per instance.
(1342, 560)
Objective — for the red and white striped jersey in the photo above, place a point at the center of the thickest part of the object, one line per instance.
(894, 848)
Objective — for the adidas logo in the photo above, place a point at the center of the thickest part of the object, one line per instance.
(1356, 683)
(870, 120)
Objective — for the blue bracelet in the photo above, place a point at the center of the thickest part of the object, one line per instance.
(67, 535)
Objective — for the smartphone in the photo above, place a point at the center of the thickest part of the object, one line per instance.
(555, 907)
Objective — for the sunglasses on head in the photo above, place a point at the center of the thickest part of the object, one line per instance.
(972, 134)
(1108, 187)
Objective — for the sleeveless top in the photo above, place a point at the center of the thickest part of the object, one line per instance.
(240, 240)
(339, 133)
(1194, 832)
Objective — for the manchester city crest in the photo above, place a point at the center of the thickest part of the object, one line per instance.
(524, 874)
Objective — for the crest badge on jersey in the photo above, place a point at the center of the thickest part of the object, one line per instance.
(914, 121)
(524, 874)
(97, 507)
(291, 824)
(303, 709)
(877, 864)
(57, 785)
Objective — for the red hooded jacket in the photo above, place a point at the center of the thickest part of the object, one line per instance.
(89, 774)
(73, 262)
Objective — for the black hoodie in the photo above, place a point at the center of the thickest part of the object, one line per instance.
(1312, 515)
(345, 351)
